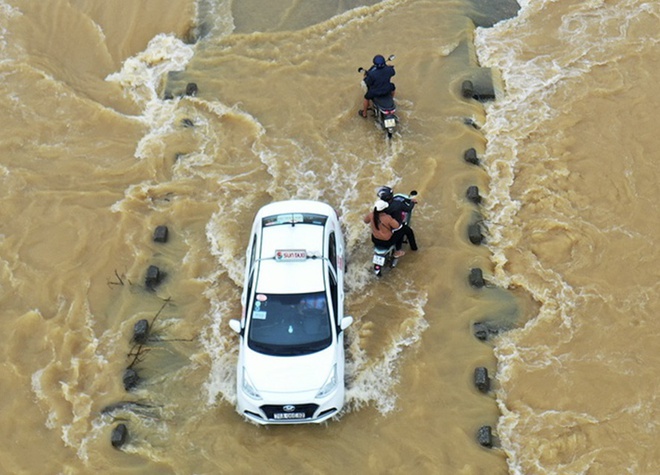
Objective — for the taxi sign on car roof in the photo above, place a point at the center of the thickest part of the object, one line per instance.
(290, 255)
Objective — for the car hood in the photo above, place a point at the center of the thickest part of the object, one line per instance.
(288, 374)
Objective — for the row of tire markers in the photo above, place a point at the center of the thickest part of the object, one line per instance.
(475, 233)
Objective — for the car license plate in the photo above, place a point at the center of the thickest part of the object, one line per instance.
(379, 260)
(289, 415)
(390, 123)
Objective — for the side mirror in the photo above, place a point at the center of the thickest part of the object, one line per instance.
(235, 325)
(345, 323)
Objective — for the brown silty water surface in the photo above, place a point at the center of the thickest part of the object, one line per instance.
(94, 157)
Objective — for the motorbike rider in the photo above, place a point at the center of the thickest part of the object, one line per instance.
(377, 79)
(384, 227)
(396, 206)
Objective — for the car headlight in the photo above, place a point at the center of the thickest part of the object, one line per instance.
(330, 383)
(248, 387)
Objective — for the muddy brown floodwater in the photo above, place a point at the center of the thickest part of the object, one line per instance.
(100, 145)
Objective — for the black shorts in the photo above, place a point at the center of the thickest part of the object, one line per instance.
(380, 243)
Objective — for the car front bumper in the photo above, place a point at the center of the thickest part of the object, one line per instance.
(285, 409)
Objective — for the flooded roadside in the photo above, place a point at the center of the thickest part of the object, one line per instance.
(102, 146)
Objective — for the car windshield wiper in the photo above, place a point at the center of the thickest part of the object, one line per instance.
(318, 345)
(262, 348)
(310, 347)
(278, 350)
(297, 350)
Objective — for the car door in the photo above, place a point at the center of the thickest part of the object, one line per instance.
(335, 275)
(250, 261)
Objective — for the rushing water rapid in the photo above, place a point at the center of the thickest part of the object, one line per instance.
(100, 145)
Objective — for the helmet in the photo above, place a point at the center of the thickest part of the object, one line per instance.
(379, 61)
(385, 193)
(380, 205)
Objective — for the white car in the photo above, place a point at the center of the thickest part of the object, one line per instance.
(291, 356)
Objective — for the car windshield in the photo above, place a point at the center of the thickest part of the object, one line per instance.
(290, 324)
(294, 218)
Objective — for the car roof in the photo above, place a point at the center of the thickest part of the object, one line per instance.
(295, 206)
(290, 277)
(301, 275)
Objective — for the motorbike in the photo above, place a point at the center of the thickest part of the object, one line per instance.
(384, 256)
(384, 109)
